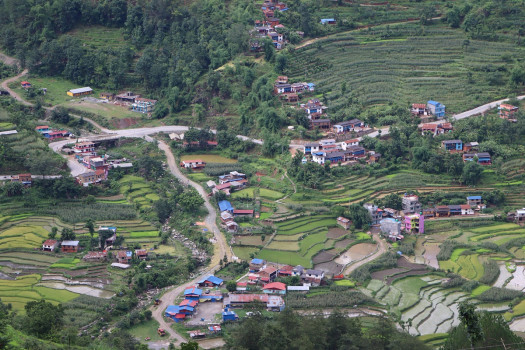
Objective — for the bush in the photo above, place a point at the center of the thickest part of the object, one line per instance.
(496, 294)
(385, 261)
(447, 248)
(491, 272)
(469, 286)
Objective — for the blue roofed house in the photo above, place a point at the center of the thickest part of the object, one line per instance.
(474, 200)
(192, 293)
(453, 145)
(347, 126)
(436, 108)
(225, 206)
(175, 313)
(256, 265)
(210, 281)
(229, 316)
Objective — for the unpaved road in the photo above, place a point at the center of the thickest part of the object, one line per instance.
(5, 86)
(380, 250)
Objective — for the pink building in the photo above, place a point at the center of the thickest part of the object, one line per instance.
(415, 223)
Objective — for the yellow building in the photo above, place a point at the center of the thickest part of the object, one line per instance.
(80, 92)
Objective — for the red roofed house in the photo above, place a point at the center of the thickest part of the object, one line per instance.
(25, 179)
(285, 270)
(57, 134)
(124, 257)
(243, 212)
(419, 109)
(242, 286)
(466, 209)
(242, 299)
(142, 254)
(429, 129)
(274, 288)
(25, 84)
(193, 164)
(49, 245)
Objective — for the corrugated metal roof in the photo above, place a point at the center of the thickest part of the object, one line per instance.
(81, 90)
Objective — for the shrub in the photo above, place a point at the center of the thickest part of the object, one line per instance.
(491, 272)
(447, 248)
(385, 261)
(330, 299)
(496, 294)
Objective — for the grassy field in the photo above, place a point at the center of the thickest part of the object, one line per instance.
(209, 158)
(99, 36)
(146, 329)
(263, 192)
(56, 88)
(107, 110)
(436, 66)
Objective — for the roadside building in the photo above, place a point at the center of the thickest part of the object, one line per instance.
(80, 92)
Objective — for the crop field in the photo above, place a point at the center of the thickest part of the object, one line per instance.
(244, 252)
(434, 66)
(263, 192)
(24, 289)
(138, 191)
(467, 266)
(99, 36)
(29, 236)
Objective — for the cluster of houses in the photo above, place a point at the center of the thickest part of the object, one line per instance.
(431, 108)
(469, 151)
(228, 183)
(193, 295)
(288, 91)
(132, 100)
(411, 220)
(517, 216)
(436, 129)
(346, 152)
(50, 245)
(509, 112)
(260, 272)
(228, 215)
(267, 28)
(51, 134)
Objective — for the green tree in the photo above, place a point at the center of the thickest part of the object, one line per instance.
(231, 286)
(43, 319)
(67, 234)
(393, 201)
(190, 200)
(281, 63)
(103, 235)
(189, 346)
(4, 336)
(471, 172)
(90, 225)
(53, 233)
(359, 215)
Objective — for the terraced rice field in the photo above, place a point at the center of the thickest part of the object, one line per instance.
(420, 300)
(467, 266)
(263, 193)
(24, 289)
(138, 191)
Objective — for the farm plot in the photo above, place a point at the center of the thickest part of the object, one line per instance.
(356, 252)
(138, 191)
(23, 236)
(467, 266)
(263, 192)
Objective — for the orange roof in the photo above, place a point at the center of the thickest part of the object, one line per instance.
(352, 141)
(50, 242)
(275, 285)
(42, 127)
(192, 161)
(507, 106)
(465, 206)
(419, 105)
(429, 126)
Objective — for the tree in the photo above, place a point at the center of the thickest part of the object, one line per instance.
(189, 346)
(471, 172)
(90, 225)
(393, 201)
(470, 319)
(190, 200)
(4, 337)
(103, 235)
(359, 215)
(43, 319)
(67, 234)
(231, 286)
(281, 63)
(13, 189)
(53, 233)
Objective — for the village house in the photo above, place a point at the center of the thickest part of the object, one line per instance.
(281, 79)
(483, 158)
(80, 92)
(56, 134)
(347, 126)
(141, 254)
(419, 109)
(298, 271)
(25, 84)
(232, 176)
(311, 147)
(86, 147)
(285, 271)
(210, 281)
(127, 97)
(315, 277)
(25, 179)
(442, 211)
(91, 177)
(470, 146)
(231, 226)
(69, 246)
(376, 214)
(43, 129)
(243, 212)
(474, 200)
(374, 157)
(314, 106)
(348, 143)
(390, 226)
(436, 108)
(224, 188)
(50, 245)
(275, 303)
(193, 164)
(429, 212)
(268, 274)
(242, 286)
(344, 222)
(328, 21)
(95, 256)
(322, 124)
(466, 209)
(225, 206)
(353, 152)
(282, 88)
(143, 105)
(509, 112)
(520, 215)
(274, 288)
(415, 223)
(454, 209)
(292, 97)
(239, 300)
(411, 204)
(453, 145)
(124, 257)
(107, 96)
(256, 265)
(436, 129)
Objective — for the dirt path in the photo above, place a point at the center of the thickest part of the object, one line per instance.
(5, 86)
(222, 249)
(380, 250)
(10, 61)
